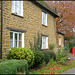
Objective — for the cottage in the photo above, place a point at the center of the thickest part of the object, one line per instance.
(20, 22)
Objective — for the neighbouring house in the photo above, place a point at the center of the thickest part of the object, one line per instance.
(60, 39)
(20, 22)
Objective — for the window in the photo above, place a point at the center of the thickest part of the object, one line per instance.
(16, 39)
(44, 18)
(44, 42)
(60, 41)
(17, 7)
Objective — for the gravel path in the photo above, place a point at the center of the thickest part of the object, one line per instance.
(70, 71)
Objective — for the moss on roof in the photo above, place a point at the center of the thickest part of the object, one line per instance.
(46, 5)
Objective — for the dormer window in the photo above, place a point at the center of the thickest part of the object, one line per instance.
(17, 7)
(44, 18)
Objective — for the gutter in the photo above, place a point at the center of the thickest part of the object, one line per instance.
(1, 24)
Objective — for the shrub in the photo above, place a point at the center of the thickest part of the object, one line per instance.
(52, 55)
(46, 56)
(21, 53)
(51, 46)
(37, 43)
(3, 60)
(11, 66)
(38, 59)
(62, 55)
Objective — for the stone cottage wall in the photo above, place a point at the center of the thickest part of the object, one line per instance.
(31, 21)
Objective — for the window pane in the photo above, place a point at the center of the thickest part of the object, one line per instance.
(11, 44)
(18, 10)
(44, 19)
(15, 36)
(59, 40)
(11, 39)
(20, 43)
(11, 36)
(15, 44)
(43, 42)
(20, 36)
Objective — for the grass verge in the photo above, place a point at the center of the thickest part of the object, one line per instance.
(56, 68)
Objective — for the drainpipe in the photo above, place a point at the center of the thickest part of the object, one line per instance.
(1, 24)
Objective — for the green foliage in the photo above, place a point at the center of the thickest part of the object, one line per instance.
(49, 55)
(39, 58)
(69, 43)
(62, 56)
(46, 56)
(3, 60)
(51, 46)
(11, 66)
(51, 62)
(37, 43)
(52, 55)
(21, 53)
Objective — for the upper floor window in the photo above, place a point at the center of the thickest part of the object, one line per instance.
(16, 39)
(17, 7)
(59, 41)
(44, 18)
(44, 42)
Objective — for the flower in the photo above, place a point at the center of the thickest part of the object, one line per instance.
(56, 51)
(69, 58)
(71, 61)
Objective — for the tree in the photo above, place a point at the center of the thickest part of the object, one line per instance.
(66, 22)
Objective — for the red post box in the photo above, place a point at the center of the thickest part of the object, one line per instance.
(73, 50)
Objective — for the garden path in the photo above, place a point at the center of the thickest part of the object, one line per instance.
(70, 71)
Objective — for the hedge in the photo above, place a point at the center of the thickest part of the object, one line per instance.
(12, 66)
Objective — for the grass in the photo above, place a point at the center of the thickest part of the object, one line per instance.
(56, 68)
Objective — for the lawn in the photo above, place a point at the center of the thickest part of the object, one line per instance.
(54, 67)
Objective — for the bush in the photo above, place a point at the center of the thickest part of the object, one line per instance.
(46, 56)
(21, 53)
(11, 66)
(3, 60)
(52, 55)
(62, 56)
(37, 43)
(38, 59)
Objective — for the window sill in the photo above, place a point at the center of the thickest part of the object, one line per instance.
(44, 25)
(17, 15)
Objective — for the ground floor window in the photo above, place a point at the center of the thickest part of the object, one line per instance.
(16, 39)
(44, 42)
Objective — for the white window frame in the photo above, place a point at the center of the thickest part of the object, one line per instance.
(14, 6)
(18, 38)
(44, 19)
(59, 41)
(44, 41)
